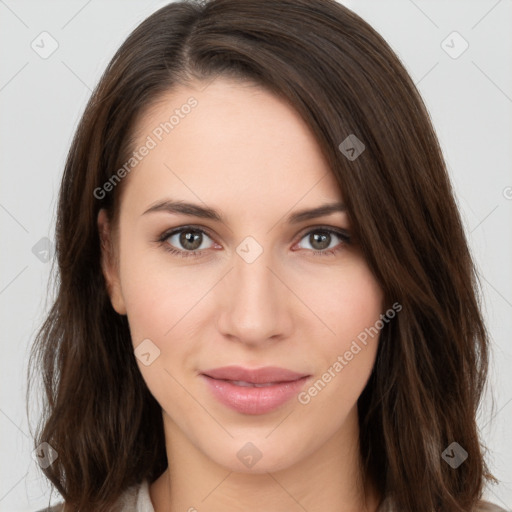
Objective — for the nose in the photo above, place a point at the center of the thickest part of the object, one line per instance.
(255, 306)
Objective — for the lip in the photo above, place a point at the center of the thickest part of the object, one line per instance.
(254, 375)
(280, 385)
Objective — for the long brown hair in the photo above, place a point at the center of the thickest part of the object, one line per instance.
(344, 80)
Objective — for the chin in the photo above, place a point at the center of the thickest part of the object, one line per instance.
(258, 456)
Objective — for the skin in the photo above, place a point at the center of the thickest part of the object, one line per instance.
(249, 155)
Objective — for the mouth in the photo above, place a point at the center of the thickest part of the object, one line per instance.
(253, 391)
(264, 375)
(250, 384)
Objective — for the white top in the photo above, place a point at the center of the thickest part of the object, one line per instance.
(137, 499)
(134, 499)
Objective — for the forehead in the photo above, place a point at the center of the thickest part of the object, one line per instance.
(229, 141)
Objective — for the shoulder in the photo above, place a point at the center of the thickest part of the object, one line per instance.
(55, 508)
(133, 499)
(482, 506)
(487, 506)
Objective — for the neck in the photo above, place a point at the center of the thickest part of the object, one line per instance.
(329, 479)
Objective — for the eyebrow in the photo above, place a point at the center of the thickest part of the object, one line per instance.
(205, 212)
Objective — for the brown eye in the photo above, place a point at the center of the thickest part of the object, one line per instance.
(320, 240)
(187, 239)
(190, 240)
(324, 240)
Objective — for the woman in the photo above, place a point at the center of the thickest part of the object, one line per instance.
(266, 298)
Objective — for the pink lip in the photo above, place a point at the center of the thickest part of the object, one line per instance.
(253, 400)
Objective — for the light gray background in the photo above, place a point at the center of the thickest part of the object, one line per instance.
(41, 100)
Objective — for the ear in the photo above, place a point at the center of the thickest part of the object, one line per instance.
(109, 263)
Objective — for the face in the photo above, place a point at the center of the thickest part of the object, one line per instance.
(259, 286)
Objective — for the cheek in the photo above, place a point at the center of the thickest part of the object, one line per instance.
(346, 356)
(163, 303)
(346, 352)
(347, 301)
(157, 294)
(159, 306)
(362, 303)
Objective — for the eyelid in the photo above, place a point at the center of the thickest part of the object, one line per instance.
(342, 232)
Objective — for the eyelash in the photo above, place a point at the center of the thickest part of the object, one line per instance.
(162, 240)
